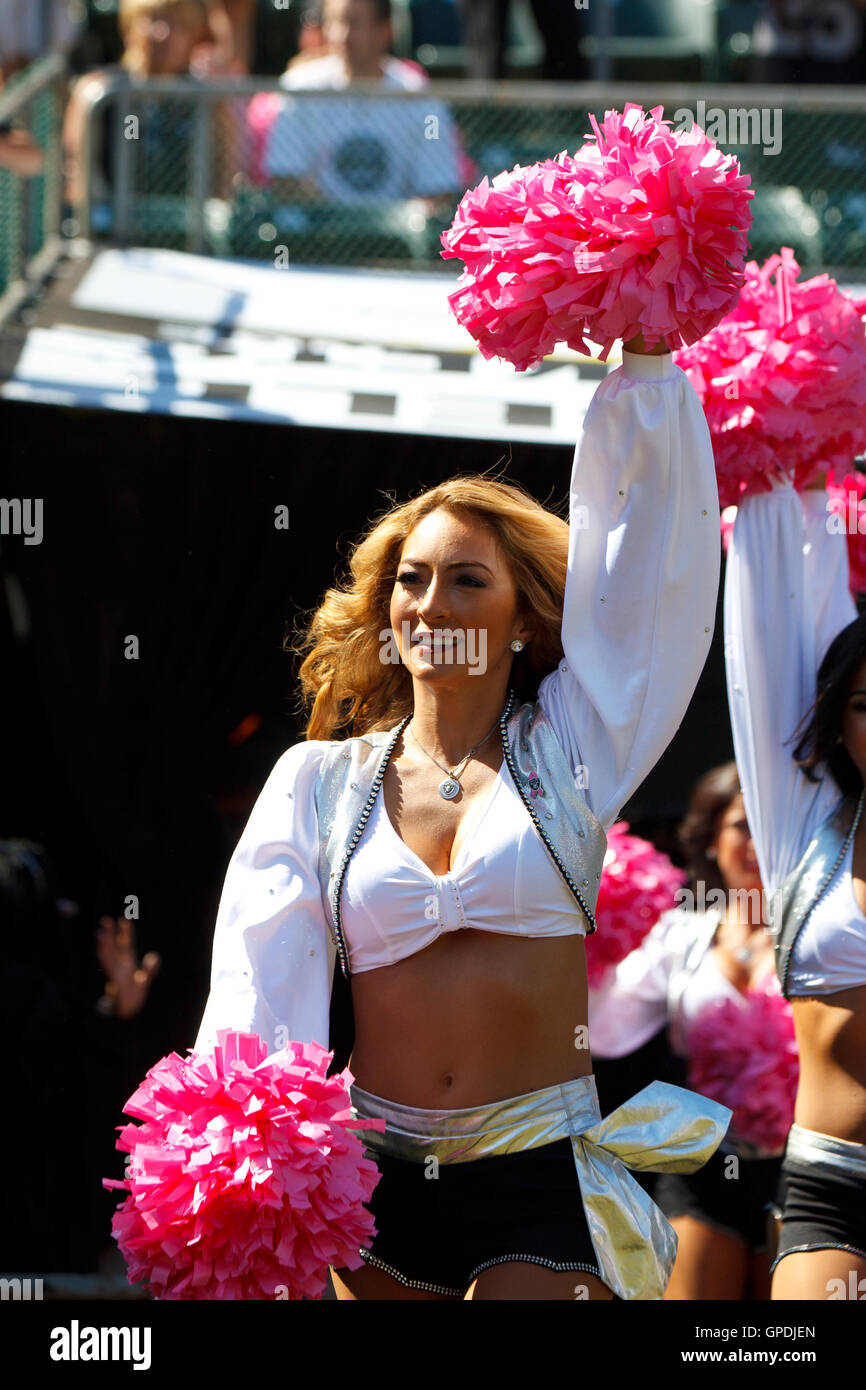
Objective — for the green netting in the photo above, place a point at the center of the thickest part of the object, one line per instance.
(236, 192)
(220, 174)
(27, 218)
(11, 229)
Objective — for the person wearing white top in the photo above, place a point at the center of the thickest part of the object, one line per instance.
(608, 623)
(360, 149)
(796, 663)
(693, 958)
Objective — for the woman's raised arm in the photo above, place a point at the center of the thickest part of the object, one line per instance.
(786, 598)
(643, 578)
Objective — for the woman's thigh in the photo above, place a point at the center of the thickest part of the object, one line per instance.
(759, 1277)
(521, 1281)
(710, 1264)
(357, 1285)
(819, 1275)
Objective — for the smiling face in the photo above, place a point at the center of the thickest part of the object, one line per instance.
(455, 587)
(854, 720)
(735, 852)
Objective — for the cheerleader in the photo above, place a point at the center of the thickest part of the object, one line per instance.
(507, 682)
(789, 618)
(696, 959)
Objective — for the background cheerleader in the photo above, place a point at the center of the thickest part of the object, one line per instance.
(707, 973)
(789, 616)
(783, 382)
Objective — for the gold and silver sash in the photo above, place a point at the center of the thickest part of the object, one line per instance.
(662, 1129)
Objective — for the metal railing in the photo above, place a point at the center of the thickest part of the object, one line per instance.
(31, 207)
(195, 166)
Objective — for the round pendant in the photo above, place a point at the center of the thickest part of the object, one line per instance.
(449, 788)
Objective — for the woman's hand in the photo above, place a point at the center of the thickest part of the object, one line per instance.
(638, 345)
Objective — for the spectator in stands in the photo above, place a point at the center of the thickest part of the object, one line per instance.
(560, 23)
(162, 38)
(350, 42)
(19, 152)
(30, 29)
(241, 18)
(810, 41)
(362, 151)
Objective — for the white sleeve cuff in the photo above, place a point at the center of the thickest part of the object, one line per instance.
(643, 367)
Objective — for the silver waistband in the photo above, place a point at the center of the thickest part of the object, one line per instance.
(662, 1129)
(482, 1131)
(825, 1151)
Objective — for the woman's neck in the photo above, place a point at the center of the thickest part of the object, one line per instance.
(448, 723)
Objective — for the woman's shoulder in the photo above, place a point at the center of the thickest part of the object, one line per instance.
(304, 756)
(313, 752)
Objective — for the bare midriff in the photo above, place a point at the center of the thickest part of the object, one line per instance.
(477, 1016)
(831, 1037)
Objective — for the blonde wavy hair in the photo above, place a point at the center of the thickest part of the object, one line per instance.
(343, 683)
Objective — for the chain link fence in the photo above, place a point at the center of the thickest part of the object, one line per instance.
(244, 168)
(247, 169)
(30, 205)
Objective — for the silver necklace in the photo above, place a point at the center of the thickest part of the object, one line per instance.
(451, 786)
(745, 953)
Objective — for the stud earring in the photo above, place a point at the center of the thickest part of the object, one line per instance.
(517, 645)
(711, 853)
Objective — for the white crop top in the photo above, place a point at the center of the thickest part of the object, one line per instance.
(786, 599)
(635, 1001)
(830, 952)
(503, 880)
(708, 985)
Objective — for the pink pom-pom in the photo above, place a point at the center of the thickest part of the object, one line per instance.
(846, 501)
(638, 883)
(642, 231)
(782, 380)
(744, 1055)
(245, 1180)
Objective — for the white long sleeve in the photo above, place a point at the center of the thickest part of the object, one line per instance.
(273, 958)
(631, 1005)
(786, 598)
(643, 578)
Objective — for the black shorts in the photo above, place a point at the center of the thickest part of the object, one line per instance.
(735, 1205)
(438, 1232)
(821, 1210)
